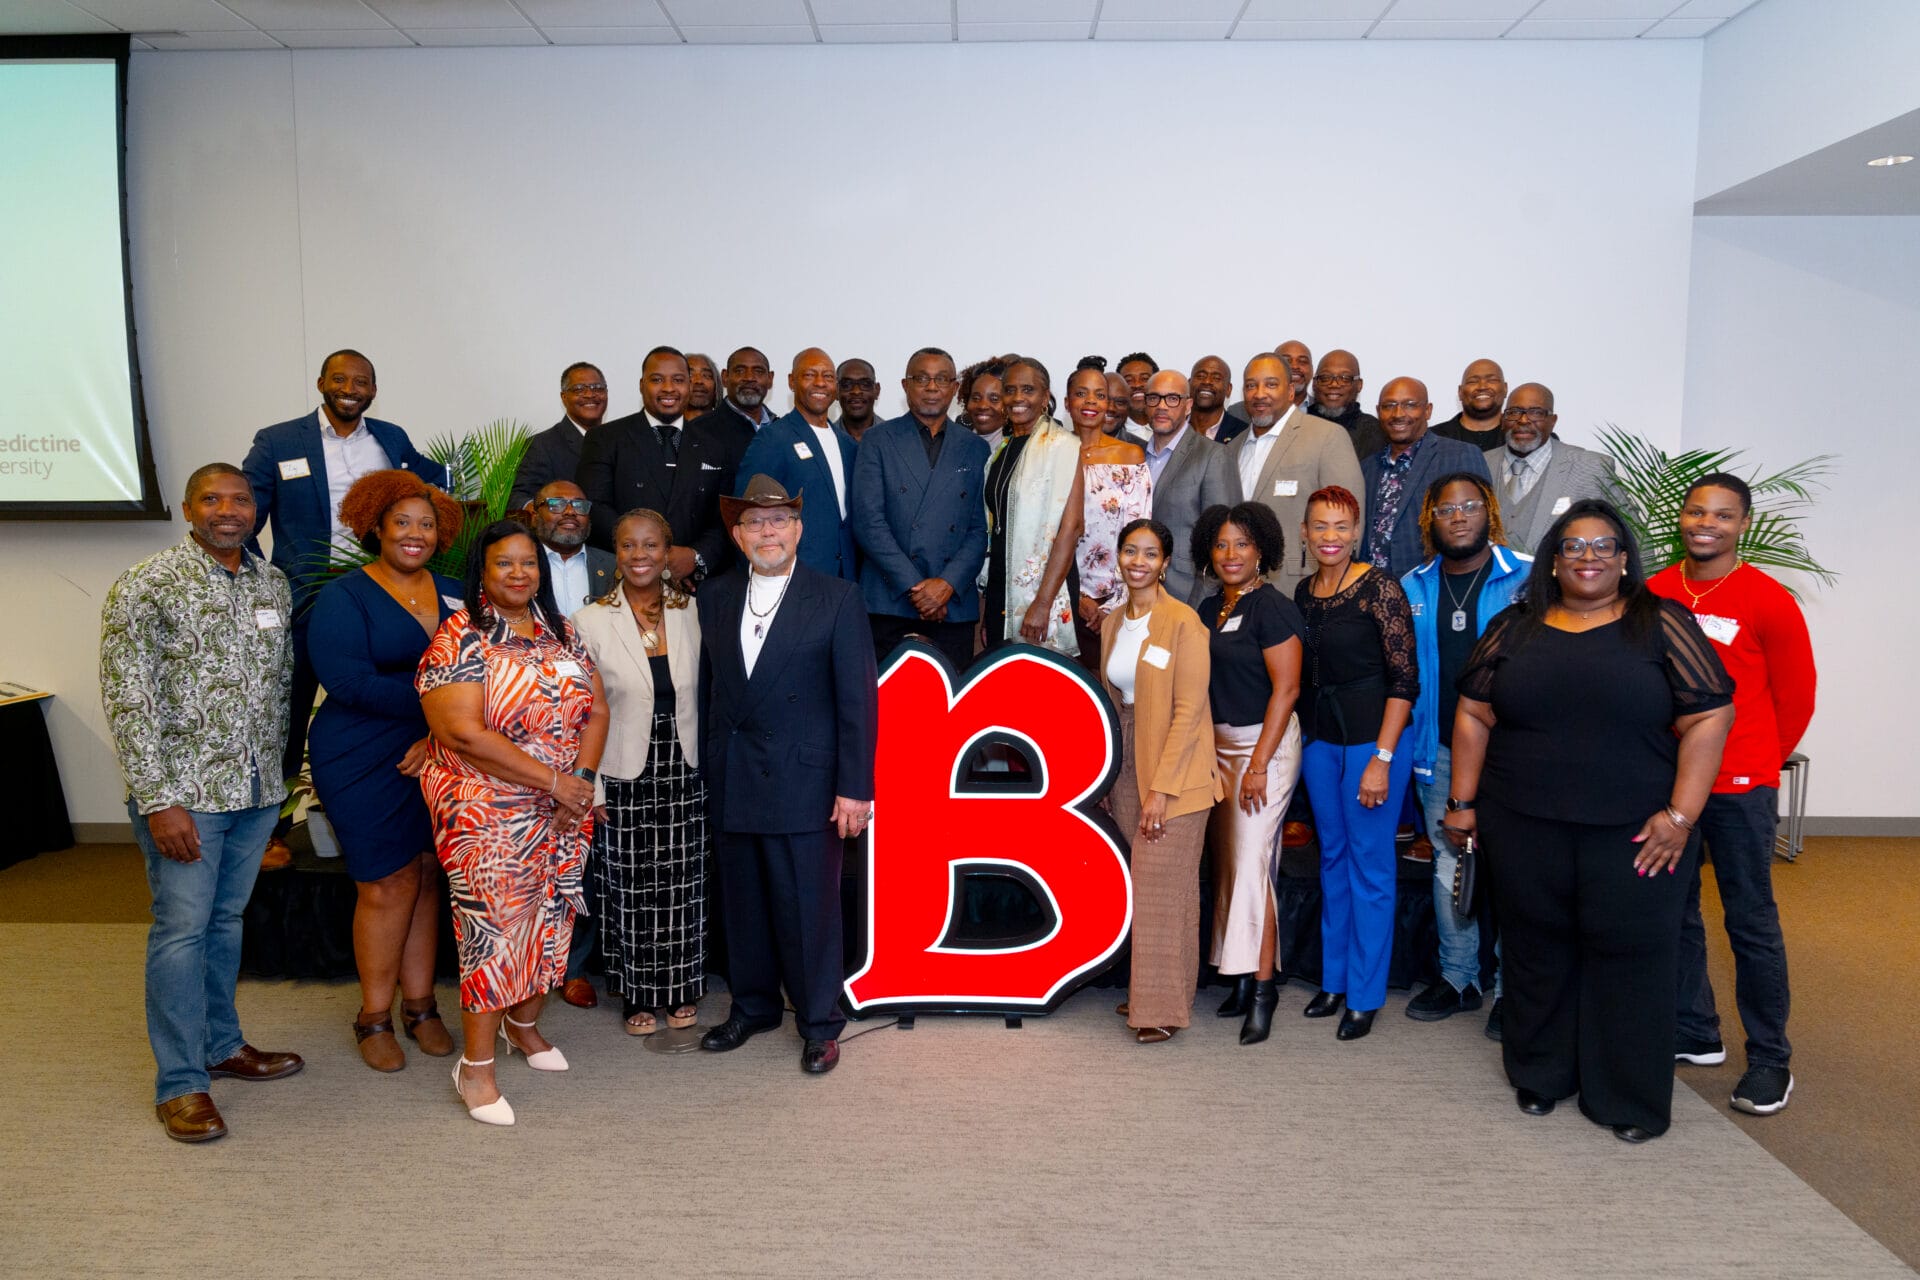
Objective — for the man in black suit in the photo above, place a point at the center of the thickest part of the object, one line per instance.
(747, 381)
(648, 459)
(554, 454)
(791, 715)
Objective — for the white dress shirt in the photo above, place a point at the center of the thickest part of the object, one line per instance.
(829, 445)
(1253, 454)
(347, 458)
(764, 594)
(571, 581)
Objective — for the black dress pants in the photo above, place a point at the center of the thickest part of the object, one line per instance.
(1589, 950)
(782, 904)
(953, 639)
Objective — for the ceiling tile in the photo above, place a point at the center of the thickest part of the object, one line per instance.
(475, 37)
(1312, 10)
(49, 17)
(613, 35)
(1458, 10)
(1483, 30)
(166, 15)
(1352, 29)
(886, 32)
(1713, 8)
(1024, 30)
(1170, 11)
(738, 13)
(593, 13)
(979, 11)
(413, 15)
(883, 12)
(1683, 28)
(1216, 30)
(783, 34)
(139, 46)
(308, 15)
(199, 41)
(383, 38)
(1614, 9)
(1580, 29)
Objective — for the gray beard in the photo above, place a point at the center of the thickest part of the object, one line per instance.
(567, 541)
(748, 397)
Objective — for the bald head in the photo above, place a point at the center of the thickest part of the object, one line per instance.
(1404, 410)
(1174, 404)
(1212, 384)
(1299, 362)
(1336, 383)
(814, 384)
(1483, 390)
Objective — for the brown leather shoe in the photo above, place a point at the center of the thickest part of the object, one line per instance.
(252, 1064)
(1421, 850)
(579, 993)
(378, 1048)
(1295, 835)
(278, 856)
(426, 1029)
(191, 1117)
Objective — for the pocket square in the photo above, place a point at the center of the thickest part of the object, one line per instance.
(708, 466)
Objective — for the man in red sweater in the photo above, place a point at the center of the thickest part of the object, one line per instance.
(1761, 637)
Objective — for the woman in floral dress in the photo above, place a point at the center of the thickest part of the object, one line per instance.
(1119, 490)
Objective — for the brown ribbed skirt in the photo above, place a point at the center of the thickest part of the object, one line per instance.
(1166, 902)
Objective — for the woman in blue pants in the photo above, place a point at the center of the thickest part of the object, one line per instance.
(1359, 680)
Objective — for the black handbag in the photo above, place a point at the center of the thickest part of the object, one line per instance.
(1466, 877)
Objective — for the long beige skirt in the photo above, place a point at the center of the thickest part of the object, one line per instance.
(1166, 902)
(1246, 847)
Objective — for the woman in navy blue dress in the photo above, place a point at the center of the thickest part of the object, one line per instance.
(369, 743)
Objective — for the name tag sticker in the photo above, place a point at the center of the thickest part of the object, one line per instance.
(266, 619)
(295, 469)
(454, 603)
(1154, 656)
(1560, 506)
(1719, 630)
(1742, 781)
(566, 667)
(1286, 488)
(802, 450)
(1233, 623)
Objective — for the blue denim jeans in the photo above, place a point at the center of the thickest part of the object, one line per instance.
(193, 949)
(1738, 831)
(1459, 938)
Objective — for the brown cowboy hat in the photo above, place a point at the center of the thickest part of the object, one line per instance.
(761, 491)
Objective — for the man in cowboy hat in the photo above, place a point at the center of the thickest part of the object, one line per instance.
(787, 677)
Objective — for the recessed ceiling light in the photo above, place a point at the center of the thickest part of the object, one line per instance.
(1887, 162)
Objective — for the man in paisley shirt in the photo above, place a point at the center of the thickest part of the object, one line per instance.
(195, 664)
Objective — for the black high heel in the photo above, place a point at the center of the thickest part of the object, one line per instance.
(1236, 1002)
(1259, 1023)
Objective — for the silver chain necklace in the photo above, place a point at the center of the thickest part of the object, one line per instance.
(1459, 605)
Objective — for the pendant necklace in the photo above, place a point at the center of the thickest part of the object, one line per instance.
(1686, 583)
(649, 621)
(766, 615)
(1459, 606)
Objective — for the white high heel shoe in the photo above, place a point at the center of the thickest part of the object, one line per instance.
(545, 1060)
(495, 1112)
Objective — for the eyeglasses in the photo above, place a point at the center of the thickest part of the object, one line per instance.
(858, 384)
(579, 506)
(1531, 415)
(942, 380)
(1577, 548)
(1335, 379)
(579, 387)
(1393, 406)
(1171, 399)
(775, 520)
(1448, 510)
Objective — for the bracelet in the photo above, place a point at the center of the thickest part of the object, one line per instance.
(1678, 819)
(553, 788)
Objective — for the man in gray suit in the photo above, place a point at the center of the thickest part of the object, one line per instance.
(1286, 455)
(1397, 477)
(1190, 473)
(1538, 476)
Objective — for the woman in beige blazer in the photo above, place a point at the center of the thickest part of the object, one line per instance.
(649, 850)
(1154, 662)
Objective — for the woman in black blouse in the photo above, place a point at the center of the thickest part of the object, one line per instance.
(1361, 679)
(1589, 729)
(1254, 636)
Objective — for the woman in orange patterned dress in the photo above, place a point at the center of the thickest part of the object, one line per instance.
(518, 721)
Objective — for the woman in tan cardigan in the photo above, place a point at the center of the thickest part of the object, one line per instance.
(1154, 661)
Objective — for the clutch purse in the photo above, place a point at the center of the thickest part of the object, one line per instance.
(1466, 875)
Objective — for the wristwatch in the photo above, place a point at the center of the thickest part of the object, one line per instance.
(1383, 755)
(584, 772)
(699, 566)
(1456, 806)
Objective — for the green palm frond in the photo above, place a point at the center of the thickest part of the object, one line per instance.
(1653, 484)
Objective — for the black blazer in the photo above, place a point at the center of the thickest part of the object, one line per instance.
(733, 430)
(552, 455)
(778, 746)
(622, 466)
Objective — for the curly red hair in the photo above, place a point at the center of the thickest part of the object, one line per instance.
(378, 492)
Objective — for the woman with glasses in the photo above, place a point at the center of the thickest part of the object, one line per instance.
(1591, 719)
(1035, 512)
(1360, 682)
(1119, 490)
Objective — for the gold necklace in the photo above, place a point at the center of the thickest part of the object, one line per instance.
(649, 620)
(1698, 596)
(1232, 597)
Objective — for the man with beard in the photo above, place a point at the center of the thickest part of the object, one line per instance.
(859, 389)
(1299, 364)
(1398, 474)
(195, 662)
(1190, 473)
(1539, 475)
(1472, 576)
(1212, 384)
(1286, 456)
(703, 386)
(747, 380)
(788, 758)
(1483, 389)
(1134, 370)
(298, 471)
(554, 454)
(808, 454)
(1336, 397)
(1759, 633)
(648, 459)
(920, 519)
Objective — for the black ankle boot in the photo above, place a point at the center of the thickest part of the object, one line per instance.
(1259, 1023)
(1236, 1003)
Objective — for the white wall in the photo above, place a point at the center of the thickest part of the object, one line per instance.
(1803, 338)
(475, 219)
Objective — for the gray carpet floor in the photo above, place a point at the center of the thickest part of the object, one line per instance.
(959, 1148)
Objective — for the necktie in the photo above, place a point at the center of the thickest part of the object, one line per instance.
(670, 442)
(1517, 468)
